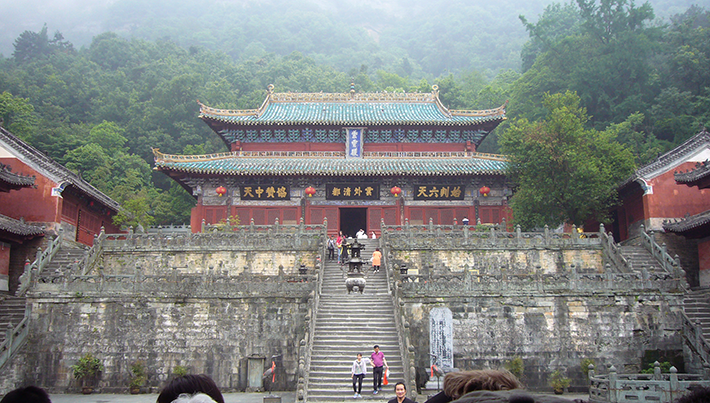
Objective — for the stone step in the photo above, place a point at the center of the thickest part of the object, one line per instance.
(324, 368)
(347, 324)
(12, 311)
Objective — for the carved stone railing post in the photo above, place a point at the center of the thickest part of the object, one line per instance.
(675, 389)
(575, 235)
(613, 385)
(547, 235)
(9, 338)
(656, 371)
(590, 373)
(518, 234)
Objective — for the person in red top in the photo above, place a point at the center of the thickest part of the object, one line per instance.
(376, 260)
(379, 363)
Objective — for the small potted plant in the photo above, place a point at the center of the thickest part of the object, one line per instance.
(559, 382)
(179, 371)
(87, 370)
(138, 377)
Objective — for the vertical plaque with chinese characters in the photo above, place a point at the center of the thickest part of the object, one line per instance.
(265, 192)
(441, 339)
(353, 142)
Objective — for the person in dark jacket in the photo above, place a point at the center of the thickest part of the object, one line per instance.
(400, 392)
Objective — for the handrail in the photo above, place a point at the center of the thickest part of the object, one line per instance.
(305, 369)
(660, 253)
(693, 334)
(486, 236)
(402, 329)
(35, 268)
(91, 257)
(626, 388)
(612, 252)
(15, 338)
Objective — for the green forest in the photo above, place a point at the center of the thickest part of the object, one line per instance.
(98, 109)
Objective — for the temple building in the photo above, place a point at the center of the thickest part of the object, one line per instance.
(355, 159)
(659, 194)
(39, 196)
(696, 227)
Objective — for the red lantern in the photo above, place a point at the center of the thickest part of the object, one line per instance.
(221, 191)
(484, 190)
(310, 191)
(396, 190)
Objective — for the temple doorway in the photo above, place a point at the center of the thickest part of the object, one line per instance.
(352, 220)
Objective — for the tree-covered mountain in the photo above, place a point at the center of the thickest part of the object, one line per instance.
(411, 38)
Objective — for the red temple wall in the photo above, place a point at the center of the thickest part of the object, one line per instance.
(673, 200)
(314, 214)
(4, 266)
(32, 204)
(668, 200)
(39, 206)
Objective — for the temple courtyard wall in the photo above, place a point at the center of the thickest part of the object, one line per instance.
(212, 302)
(552, 300)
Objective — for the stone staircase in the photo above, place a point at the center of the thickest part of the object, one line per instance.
(640, 258)
(12, 311)
(697, 308)
(65, 257)
(348, 324)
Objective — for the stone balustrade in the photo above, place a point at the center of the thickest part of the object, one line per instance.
(657, 387)
(209, 284)
(468, 282)
(483, 236)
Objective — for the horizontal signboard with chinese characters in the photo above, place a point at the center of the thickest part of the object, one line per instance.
(439, 192)
(265, 192)
(352, 191)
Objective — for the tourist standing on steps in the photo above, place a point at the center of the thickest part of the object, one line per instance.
(379, 363)
(401, 392)
(376, 260)
(339, 244)
(374, 236)
(464, 221)
(331, 248)
(358, 374)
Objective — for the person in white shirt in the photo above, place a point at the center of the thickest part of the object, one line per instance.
(358, 374)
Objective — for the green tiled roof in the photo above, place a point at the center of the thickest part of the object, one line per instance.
(234, 165)
(353, 109)
(354, 114)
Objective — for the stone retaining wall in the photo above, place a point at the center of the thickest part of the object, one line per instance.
(208, 333)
